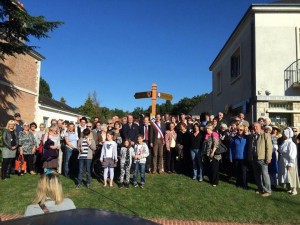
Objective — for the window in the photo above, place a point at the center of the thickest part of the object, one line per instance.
(236, 64)
(219, 83)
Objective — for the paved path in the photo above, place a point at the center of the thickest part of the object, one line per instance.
(4, 217)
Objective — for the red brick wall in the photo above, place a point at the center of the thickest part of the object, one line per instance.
(20, 71)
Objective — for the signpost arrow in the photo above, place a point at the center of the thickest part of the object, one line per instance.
(146, 94)
(164, 96)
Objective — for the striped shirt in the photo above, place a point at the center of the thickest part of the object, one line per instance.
(85, 149)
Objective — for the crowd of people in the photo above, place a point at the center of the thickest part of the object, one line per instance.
(125, 147)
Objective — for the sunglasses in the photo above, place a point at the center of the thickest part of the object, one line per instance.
(89, 126)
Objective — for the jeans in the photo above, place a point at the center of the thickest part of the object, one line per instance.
(261, 175)
(197, 163)
(87, 163)
(139, 166)
(67, 154)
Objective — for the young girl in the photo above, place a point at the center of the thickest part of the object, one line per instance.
(141, 152)
(109, 158)
(126, 155)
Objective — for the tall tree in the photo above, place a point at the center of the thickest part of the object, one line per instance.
(16, 26)
(45, 88)
(63, 100)
(88, 108)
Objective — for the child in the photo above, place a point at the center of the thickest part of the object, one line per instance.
(109, 158)
(126, 155)
(141, 152)
(86, 148)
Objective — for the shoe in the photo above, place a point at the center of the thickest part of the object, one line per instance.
(88, 186)
(135, 185)
(169, 172)
(78, 186)
(258, 192)
(214, 185)
(142, 186)
(32, 173)
(194, 177)
(294, 193)
(289, 192)
(154, 172)
(200, 180)
(173, 171)
(121, 185)
(266, 194)
(22, 174)
(160, 172)
(127, 185)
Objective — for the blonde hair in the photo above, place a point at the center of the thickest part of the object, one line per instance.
(10, 122)
(49, 186)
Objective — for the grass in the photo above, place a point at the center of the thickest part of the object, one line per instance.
(165, 196)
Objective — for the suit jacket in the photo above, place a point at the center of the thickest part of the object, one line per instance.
(142, 130)
(154, 132)
(130, 132)
(264, 147)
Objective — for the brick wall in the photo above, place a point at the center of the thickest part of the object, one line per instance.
(22, 72)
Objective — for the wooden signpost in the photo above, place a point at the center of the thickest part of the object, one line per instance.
(154, 94)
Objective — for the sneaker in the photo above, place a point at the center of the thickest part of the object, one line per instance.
(142, 186)
(194, 177)
(294, 193)
(135, 185)
(200, 180)
(266, 194)
(121, 185)
(78, 186)
(127, 185)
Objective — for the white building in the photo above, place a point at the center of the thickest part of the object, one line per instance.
(257, 72)
(49, 109)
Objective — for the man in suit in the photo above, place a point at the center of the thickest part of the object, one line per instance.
(145, 130)
(260, 154)
(130, 130)
(157, 143)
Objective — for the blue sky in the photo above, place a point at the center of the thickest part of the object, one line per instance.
(119, 47)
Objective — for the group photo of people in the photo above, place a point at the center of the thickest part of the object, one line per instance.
(124, 151)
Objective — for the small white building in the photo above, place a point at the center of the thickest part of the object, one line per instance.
(49, 109)
(257, 72)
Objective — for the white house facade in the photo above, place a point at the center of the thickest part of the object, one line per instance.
(257, 72)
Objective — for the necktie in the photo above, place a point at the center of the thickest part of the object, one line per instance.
(146, 133)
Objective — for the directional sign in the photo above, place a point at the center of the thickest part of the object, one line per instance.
(164, 96)
(146, 94)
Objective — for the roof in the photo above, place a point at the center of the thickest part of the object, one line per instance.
(252, 9)
(56, 104)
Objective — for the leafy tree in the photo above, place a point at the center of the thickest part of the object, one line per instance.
(88, 108)
(185, 105)
(45, 88)
(16, 26)
(63, 100)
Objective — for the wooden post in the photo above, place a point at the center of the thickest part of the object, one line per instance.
(154, 96)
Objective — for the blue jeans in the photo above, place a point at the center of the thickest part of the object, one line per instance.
(67, 154)
(87, 164)
(197, 163)
(139, 166)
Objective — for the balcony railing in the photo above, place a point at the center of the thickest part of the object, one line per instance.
(292, 75)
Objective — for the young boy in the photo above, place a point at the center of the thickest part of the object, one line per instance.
(141, 152)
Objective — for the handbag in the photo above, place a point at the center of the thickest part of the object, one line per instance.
(20, 164)
(221, 149)
(48, 153)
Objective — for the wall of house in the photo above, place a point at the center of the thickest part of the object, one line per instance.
(275, 50)
(236, 90)
(19, 83)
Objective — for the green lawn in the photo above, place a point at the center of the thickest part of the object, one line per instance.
(165, 196)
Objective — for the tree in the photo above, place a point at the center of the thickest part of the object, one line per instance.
(16, 26)
(63, 100)
(88, 108)
(45, 88)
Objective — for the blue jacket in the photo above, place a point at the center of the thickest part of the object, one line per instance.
(238, 147)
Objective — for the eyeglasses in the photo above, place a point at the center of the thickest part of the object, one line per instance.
(89, 126)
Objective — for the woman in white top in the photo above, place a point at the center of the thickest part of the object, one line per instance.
(109, 158)
(49, 196)
(288, 168)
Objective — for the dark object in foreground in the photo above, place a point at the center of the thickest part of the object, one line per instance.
(79, 217)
